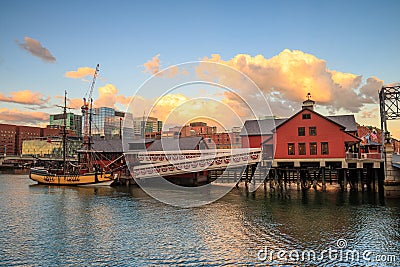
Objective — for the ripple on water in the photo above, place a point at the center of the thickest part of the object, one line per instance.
(69, 226)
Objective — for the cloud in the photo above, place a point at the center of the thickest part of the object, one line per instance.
(153, 65)
(75, 103)
(370, 114)
(179, 109)
(108, 97)
(80, 73)
(25, 97)
(35, 48)
(290, 75)
(369, 91)
(18, 116)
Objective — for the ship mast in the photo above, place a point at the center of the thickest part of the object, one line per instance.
(87, 110)
(64, 133)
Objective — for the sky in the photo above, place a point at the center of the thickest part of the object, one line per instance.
(342, 52)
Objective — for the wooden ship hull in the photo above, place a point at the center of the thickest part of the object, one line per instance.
(42, 176)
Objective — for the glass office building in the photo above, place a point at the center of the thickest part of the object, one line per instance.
(73, 122)
(106, 123)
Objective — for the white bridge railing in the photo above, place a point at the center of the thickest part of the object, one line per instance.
(165, 163)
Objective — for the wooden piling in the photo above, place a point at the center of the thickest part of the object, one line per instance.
(323, 179)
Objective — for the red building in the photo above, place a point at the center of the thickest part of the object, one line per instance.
(197, 128)
(218, 140)
(12, 136)
(26, 133)
(308, 134)
(305, 137)
(8, 137)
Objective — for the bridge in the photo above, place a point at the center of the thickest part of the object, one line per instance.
(169, 163)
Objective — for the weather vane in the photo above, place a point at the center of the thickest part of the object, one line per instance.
(308, 96)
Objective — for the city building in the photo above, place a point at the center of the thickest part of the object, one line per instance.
(106, 123)
(51, 147)
(13, 136)
(142, 125)
(26, 133)
(8, 137)
(307, 137)
(72, 122)
(218, 140)
(197, 128)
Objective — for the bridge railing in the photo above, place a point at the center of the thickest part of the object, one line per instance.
(208, 162)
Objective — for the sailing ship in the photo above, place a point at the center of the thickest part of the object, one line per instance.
(86, 172)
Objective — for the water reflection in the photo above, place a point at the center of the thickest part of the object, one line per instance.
(47, 225)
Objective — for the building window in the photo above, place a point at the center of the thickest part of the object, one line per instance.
(291, 149)
(313, 148)
(306, 116)
(324, 148)
(313, 131)
(301, 131)
(302, 148)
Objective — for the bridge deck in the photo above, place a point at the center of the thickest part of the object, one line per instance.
(179, 162)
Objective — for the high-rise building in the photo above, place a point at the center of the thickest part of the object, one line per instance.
(142, 125)
(107, 123)
(73, 122)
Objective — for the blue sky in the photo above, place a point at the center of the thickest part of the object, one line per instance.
(357, 37)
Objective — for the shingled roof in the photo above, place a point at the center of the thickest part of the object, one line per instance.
(347, 121)
(108, 146)
(168, 144)
(260, 127)
(266, 126)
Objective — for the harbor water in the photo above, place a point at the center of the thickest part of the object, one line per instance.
(104, 226)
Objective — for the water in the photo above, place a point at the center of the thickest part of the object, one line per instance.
(77, 226)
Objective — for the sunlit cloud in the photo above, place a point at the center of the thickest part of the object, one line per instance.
(109, 97)
(153, 66)
(19, 117)
(36, 49)
(289, 76)
(369, 113)
(75, 103)
(26, 97)
(80, 73)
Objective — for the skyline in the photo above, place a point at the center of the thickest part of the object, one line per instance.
(340, 52)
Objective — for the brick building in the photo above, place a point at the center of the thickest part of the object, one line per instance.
(12, 136)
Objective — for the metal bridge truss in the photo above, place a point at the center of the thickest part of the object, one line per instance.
(389, 102)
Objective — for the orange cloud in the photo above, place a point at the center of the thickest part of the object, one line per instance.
(108, 97)
(123, 100)
(80, 73)
(346, 80)
(370, 114)
(75, 103)
(153, 65)
(25, 97)
(35, 48)
(290, 75)
(18, 116)
(179, 109)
